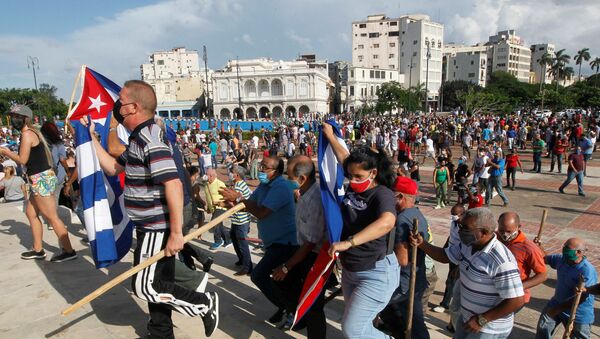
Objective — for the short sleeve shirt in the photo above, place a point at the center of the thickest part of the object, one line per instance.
(310, 219)
(148, 162)
(404, 225)
(279, 227)
(359, 210)
(530, 258)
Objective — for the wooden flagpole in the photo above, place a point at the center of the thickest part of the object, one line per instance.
(75, 85)
(544, 215)
(413, 280)
(569, 326)
(150, 261)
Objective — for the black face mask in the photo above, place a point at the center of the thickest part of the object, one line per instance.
(117, 112)
(17, 122)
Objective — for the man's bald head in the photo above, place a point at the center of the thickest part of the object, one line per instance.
(575, 244)
(301, 165)
(457, 209)
(211, 174)
(508, 222)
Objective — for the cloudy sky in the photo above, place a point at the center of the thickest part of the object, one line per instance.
(115, 37)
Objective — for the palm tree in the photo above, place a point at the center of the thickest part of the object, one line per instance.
(545, 60)
(559, 62)
(595, 64)
(581, 56)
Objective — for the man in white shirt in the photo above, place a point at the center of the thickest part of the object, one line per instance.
(430, 153)
(255, 142)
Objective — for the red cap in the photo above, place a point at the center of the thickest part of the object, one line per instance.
(405, 185)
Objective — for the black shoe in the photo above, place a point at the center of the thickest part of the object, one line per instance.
(238, 263)
(33, 255)
(241, 272)
(211, 318)
(189, 262)
(277, 317)
(207, 264)
(561, 190)
(582, 194)
(64, 256)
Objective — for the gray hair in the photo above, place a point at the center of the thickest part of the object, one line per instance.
(305, 168)
(239, 170)
(484, 218)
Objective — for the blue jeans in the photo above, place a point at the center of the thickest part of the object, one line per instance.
(223, 156)
(547, 326)
(238, 235)
(220, 232)
(495, 183)
(573, 175)
(461, 333)
(537, 161)
(213, 159)
(366, 293)
(275, 255)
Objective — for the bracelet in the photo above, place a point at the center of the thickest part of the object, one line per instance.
(351, 240)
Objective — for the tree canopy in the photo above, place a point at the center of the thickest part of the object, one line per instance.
(43, 102)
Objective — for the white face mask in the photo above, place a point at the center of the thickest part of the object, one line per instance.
(454, 217)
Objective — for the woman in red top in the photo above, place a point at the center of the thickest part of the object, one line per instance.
(512, 161)
(557, 153)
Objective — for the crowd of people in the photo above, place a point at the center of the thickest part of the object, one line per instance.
(493, 265)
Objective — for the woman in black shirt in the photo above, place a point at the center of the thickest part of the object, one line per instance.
(370, 268)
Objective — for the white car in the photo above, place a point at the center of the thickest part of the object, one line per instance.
(543, 114)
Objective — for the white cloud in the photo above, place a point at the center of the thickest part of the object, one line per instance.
(248, 39)
(300, 41)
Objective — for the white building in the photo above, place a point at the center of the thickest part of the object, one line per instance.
(468, 63)
(507, 52)
(175, 75)
(269, 89)
(406, 43)
(537, 51)
(363, 84)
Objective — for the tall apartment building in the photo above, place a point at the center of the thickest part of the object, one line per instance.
(175, 75)
(468, 63)
(507, 52)
(404, 44)
(537, 51)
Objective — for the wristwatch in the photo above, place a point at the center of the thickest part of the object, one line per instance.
(284, 269)
(351, 240)
(481, 320)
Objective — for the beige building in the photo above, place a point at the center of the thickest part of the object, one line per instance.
(468, 63)
(175, 75)
(411, 44)
(363, 84)
(507, 52)
(537, 70)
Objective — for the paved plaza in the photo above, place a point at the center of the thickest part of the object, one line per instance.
(35, 292)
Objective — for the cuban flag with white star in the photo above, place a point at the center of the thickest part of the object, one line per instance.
(109, 229)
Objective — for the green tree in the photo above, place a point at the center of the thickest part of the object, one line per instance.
(559, 63)
(545, 60)
(473, 101)
(43, 102)
(581, 56)
(450, 90)
(595, 64)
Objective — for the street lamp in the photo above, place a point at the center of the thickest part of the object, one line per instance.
(33, 62)
(427, 77)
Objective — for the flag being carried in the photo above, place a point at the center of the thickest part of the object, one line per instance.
(108, 227)
(331, 179)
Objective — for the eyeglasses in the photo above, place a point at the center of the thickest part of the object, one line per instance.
(263, 167)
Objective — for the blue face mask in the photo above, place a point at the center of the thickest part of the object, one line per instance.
(263, 178)
(293, 184)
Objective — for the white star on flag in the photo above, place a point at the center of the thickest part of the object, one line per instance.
(96, 103)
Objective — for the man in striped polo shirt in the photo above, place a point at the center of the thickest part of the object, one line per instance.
(154, 200)
(491, 288)
(240, 224)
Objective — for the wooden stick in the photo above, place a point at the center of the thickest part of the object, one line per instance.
(569, 327)
(150, 261)
(544, 215)
(413, 280)
(73, 95)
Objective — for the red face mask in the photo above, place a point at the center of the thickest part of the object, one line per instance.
(360, 186)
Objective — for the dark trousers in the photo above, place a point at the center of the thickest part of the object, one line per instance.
(238, 235)
(220, 232)
(150, 287)
(556, 158)
(450, 282)
(394, 316)
(537, 161)
(292, 287)
(511, 173)
(275, 255)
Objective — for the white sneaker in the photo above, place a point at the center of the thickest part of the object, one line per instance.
(439, 309)
(202, 286)
(437, 207)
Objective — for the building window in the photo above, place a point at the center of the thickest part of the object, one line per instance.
(351, 91)
(394, 33)
(360, 58)
(471, 75)
(362, 26)
(394, 23)
(372, 74)
(371, 90)
(392, 44)
(414, 54)
(363, 74)
(160, 62)
(382, 74)
(472, 62)
(415, 42)
(363, 34)
(375, 45)
(374, 35)
(391, 56)
(392, 67)
(303, 89)
(361, 46)
(377, 75)
(352, 74)
(454, 62)
(375, 56)
(376, 67)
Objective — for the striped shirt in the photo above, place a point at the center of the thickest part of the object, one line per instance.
(148, 163)
(241, 218)
(487, 277)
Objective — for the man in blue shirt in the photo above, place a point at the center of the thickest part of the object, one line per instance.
(587, 148)
(495, 180)
(213, 151)
(569, 266)
(272, 203)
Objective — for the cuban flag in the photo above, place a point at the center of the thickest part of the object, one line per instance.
(109, 229)
(331, 180)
